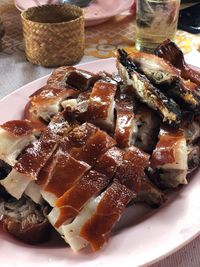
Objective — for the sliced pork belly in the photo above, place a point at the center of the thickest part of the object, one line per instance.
(171, 52)
(46, 102)
(96, 220)
(30, 163)
(108, 212)
(132, 168)
(131, 173)
(109, 162)
(170, 157)
(148, 123)
(78, 137)
(146, 92)
(126, 127)
(65, 173)
(58, 77)
(101, 104)
(14, 137)
(73, 200)
(81, 79)
(71, 231)
(162, 74)
(96, 145)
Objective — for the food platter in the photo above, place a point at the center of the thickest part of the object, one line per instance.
(97, 12)
(143, 236)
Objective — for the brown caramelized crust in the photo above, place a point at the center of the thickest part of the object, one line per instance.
(79, 136)
(18, 128)
(35, 158)
(131, 171)
(81, 79)
(45, 173)
(58, 77)
(31, 115)
(124, 122)
(48, 92)
(109, 162)
(75, 198)
(37, 155)
(67, 170)
(101, 103)
(164, 151)
(96, 145)
(108, 212)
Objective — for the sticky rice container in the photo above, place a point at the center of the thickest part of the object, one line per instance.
(53, 34)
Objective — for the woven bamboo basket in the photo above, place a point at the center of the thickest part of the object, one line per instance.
(53, 34)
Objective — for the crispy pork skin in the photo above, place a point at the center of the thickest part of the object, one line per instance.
(14, 137)
(46, 102)
(58, 77)
(87, 187)
(109, 210)
(101, 104)
(126, 127)
(30, 163)
(170, 157)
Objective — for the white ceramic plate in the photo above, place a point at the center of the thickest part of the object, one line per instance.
(142, 236)
(97, 12)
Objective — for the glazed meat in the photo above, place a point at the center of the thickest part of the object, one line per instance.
(45, 103)
(170, 157)
(126, 127)
(14, 137)
(95, 143)
(93, 225)
(30, 163)
(146, 92)
(101, 104)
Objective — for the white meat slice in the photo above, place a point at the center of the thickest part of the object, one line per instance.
(171, 157)
(71, 232)
(33, 191)
(14, 137)
(101, 104)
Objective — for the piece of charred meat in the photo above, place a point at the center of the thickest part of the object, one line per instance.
(25, 220)
(171, 52)
(167, 78)
(146, 92)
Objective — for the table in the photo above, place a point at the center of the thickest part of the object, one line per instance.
(101, 42)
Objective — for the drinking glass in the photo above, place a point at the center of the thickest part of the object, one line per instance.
(156, 21)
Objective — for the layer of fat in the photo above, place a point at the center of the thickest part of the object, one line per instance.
(180, 155)
(49, 197)
(46, 112)
(71, 232)
(33, 191)
(53, 217)
(16, 183)
(69, 103)
(11, 146)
